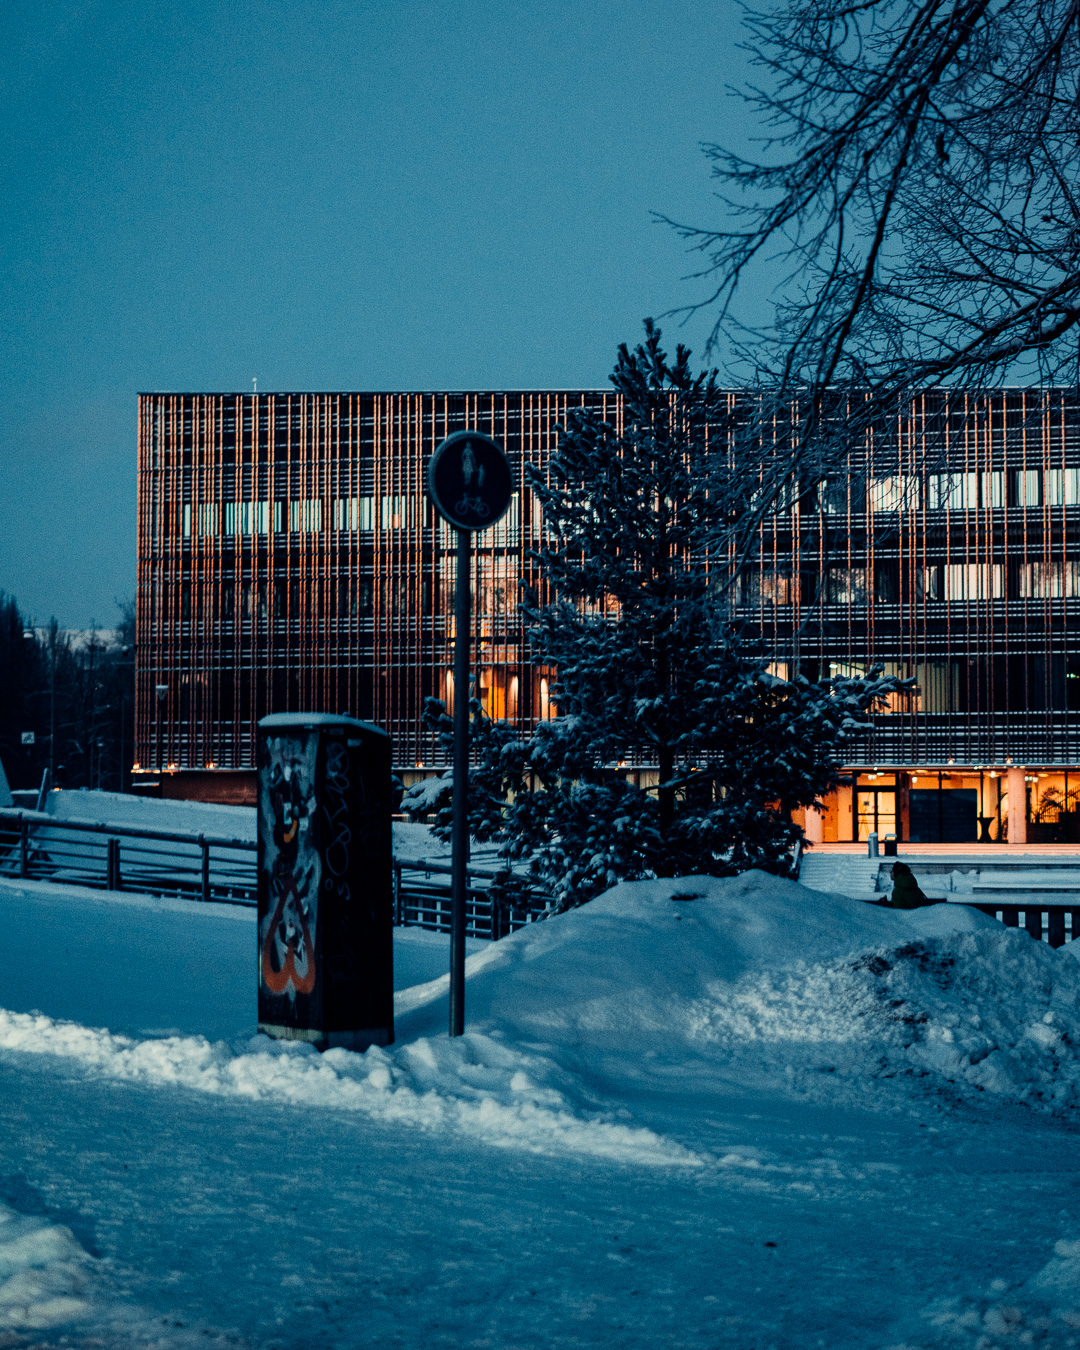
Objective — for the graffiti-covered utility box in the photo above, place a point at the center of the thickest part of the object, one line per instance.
(326, 954)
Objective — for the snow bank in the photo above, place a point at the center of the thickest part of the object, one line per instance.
(489, 1091)
(45, 1283)
(665, 987)
(416, 842)
(758, 980)
(42, 1273)
(176, 967)
(1043, 1310)
(411, 841)
(150, 813)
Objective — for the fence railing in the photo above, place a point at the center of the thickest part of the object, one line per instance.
(39, 847)
(1055, 924)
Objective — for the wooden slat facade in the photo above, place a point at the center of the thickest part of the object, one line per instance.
(288, 559)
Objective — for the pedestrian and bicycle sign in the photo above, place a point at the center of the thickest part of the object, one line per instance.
(469, 481)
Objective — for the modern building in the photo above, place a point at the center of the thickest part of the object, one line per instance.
(288, 559)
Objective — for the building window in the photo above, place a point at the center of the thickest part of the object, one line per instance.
(398, 512)
(1026, 487)
(930, 582)
(845, 586)
(353, 597)
(952, 491)
(505, 532)
(898, 493)
(305, 517)
(833, 497)
(938, 686)
(887, 583)
(757, 586)
(354, 513)
(207, 517)
(1049, 580)
(1061, 487)
(251, 517)
(993, 488)
(974, 581)
(774, 498)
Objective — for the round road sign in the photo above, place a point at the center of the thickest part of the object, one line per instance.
(469, 480)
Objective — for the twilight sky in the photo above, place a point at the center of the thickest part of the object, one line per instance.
(341, 195)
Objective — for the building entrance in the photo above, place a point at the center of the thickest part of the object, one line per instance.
(875, 812)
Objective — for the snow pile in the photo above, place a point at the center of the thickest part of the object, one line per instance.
(1043, 1310)
(760, 981)
(987, 1010)
(150, 813)
(489, 1091)
(412, 842)
(42, 1273)
(670, 987)
(58, 940)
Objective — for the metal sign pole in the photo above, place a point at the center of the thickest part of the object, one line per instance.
(471, 486)
(460, 855)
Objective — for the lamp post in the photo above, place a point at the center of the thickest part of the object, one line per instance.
(30, 634)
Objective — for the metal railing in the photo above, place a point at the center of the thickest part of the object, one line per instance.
(39, 847)
(1055, 924)
(422, 901)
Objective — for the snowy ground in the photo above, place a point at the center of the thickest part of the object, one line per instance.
(691, 1114)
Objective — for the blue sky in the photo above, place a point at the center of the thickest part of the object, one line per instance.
(325, 196)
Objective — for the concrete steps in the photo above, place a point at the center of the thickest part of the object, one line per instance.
(841, 874)
(962, 877)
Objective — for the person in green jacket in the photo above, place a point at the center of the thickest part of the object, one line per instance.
(906, 893)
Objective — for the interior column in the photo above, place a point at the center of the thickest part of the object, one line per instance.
(1017, 806)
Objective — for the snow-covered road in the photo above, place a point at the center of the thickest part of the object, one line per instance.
(211, 1210)
(297, 1228)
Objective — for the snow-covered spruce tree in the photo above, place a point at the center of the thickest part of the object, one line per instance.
(649, 665)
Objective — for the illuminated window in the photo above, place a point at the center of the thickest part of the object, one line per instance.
(305, 517)
(354, 513)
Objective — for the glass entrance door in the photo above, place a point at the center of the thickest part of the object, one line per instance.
(875, 811)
